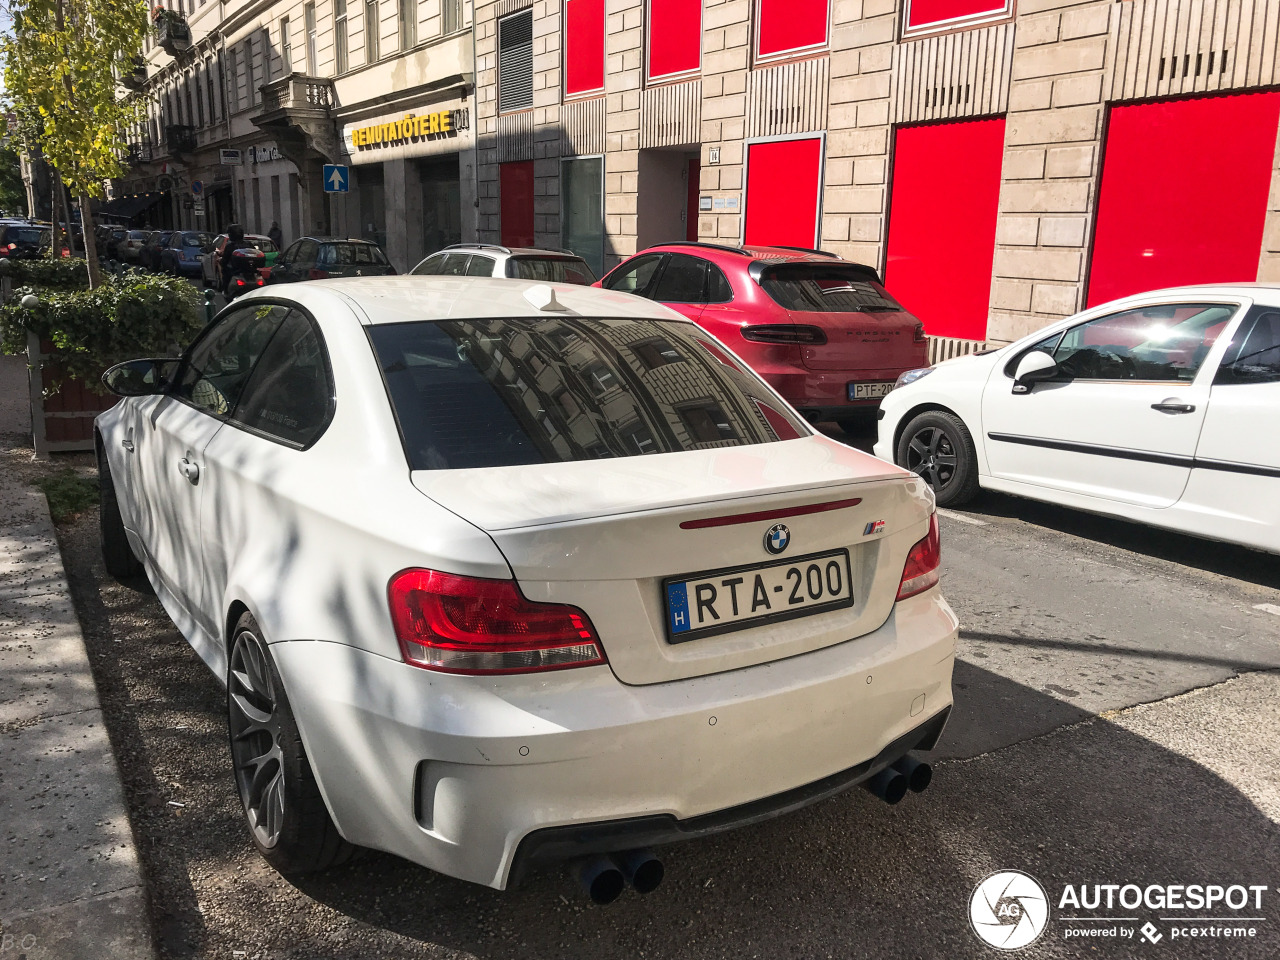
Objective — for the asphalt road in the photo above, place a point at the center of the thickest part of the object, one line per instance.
(1116, 722)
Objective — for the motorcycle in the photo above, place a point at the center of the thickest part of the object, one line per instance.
(245, 271)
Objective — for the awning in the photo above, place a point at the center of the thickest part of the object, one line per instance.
(126, 208)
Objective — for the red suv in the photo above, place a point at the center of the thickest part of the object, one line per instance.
(821, 330)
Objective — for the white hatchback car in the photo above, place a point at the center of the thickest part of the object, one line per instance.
(501, 574)
(517, 263)
(1160, 408)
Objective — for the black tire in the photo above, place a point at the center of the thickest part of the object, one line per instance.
(937, 446)
(286, 815)
(117, 555)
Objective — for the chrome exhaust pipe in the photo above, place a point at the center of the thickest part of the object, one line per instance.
(641, 869)
(918, 773)
(889, 785)
(601, 878)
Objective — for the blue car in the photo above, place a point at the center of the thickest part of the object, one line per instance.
(181, 256)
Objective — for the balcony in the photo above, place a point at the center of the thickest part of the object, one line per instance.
(136, 79)
(298, 112)
(136, 154)
(180, 138)
(172, 32)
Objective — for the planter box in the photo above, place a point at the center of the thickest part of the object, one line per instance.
(173, 35)
(62, 421)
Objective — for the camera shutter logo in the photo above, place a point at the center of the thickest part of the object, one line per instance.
(1009, 910)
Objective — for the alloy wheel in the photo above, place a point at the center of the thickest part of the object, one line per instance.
(932, 455)
(255, 738)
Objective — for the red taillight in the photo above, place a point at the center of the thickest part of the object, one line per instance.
(468, 625)
(784, 333)
(314, 274)
(920, 335)
(920, 572)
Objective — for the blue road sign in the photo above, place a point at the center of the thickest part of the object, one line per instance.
(336, 179)
(197, 187)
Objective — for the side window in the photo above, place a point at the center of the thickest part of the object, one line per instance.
(1048, 345)
(683, 280)
(634, 277)
(1254, 353)
(290, 254)
(430, 267)
(306, 252)
(1157, 343)
(290, 393)
(480, 267)
(218, 365)
(718, 289)
(455, 265)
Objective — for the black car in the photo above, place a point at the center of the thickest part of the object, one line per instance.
(149, 255)
(109, 242)
(24, 241)
(319, 258)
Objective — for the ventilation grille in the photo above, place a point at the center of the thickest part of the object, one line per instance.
(954, 75)
(1216, 60)
(515, 62)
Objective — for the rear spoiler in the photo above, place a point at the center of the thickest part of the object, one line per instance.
(857, 271)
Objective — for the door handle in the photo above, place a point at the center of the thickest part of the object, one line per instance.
(1174, 406)
(189, 470)
(127, 444)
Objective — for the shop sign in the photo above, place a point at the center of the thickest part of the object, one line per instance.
(412, 129)
(263, 154)
(229, 156)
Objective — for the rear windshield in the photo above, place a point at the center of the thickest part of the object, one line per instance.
(196, 239)
(501, 392)
(819, 288)
(347, 253)
(138, 234)
(27, 235)
(551, 270)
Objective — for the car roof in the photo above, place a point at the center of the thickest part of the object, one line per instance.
(750, 253)
(336, 240)
(407, 298)
(496, 248)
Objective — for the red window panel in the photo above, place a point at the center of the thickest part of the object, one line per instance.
(1184, 193)
(675, 37)
(583, 46)
(784, 178)
(926, 13)
(942, 223)
(515, 199)
(790, 25)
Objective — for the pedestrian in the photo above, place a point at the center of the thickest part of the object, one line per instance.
(276, 235)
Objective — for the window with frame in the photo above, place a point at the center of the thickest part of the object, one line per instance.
(787, 28)
(515, 62)
(1166, 342)
(371, 28)
(289, 394)
(251, 85)
(309, 23)
(673, 38)
(233, 78)
(635, 275)
(340, 41)
(1254, 353)
(450, 16)
(928, 16)
(216, 369)
(583, 47)
(683, 280)
(286, 47)
(408, 24)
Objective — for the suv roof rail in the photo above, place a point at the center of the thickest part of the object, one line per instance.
(699, 243)
(483, 246)
(821, 253)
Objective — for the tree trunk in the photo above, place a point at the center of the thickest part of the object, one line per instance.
(66, 208)
(55, 244)
(90, 241)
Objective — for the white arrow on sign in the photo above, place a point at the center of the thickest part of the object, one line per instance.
(336, 178)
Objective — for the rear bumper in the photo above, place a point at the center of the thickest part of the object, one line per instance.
(456, 772)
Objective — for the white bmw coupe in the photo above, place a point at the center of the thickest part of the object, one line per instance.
(500, 574)
(1162, 408)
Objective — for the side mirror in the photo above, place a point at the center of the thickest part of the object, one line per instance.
(1033, 367)
(139, 378)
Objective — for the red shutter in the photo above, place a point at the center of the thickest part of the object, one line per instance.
(675, 37)
(583, 46)
(783, 181)
(515, 197)
(942, 223)
(923, 13)
(786, 25)
(1184, 193)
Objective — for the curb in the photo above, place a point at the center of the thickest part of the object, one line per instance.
(70, 881)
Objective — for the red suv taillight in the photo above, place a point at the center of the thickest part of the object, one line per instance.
(468, 625)
(920, 334)
(920, 572)
(784, 333)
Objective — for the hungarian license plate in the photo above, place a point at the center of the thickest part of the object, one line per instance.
(871, 390)
(718, 601)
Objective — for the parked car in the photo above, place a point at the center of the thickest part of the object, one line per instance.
(824, 332)
(520, 600)
(130, 248)
(182, 256)
(491, 260)
(23, 241)
(211, 258)
(1159, 408)
(109, 244)
(319, 258)
(149, 256)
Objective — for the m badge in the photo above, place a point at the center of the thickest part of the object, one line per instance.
(875, 526)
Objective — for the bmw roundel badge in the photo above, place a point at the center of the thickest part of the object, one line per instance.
(777, 538)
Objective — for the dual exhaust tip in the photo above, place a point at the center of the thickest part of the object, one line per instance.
(892, 783)
(604, 878)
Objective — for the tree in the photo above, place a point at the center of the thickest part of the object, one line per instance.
(60, 67)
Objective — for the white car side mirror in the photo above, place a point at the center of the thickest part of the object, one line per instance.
(1033, 367)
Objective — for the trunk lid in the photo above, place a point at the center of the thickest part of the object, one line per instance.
(859, 342)
(604, 536)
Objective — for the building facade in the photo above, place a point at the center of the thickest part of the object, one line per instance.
(248, 100)
(1004, 163)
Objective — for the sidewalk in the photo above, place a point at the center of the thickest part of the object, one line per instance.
(70, 882)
